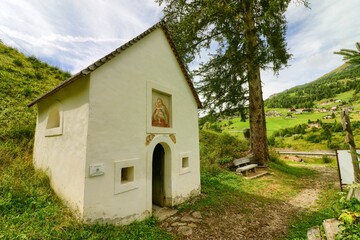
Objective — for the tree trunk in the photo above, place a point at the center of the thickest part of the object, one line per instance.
(258, 138)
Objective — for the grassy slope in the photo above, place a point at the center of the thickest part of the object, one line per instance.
(325, 84)
(274, 123)
(22, 79)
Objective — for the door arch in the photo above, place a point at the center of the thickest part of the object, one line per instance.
(169, 151)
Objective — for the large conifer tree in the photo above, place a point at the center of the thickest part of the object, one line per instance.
(244, 36)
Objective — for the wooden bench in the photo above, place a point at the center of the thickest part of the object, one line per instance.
(244, 164)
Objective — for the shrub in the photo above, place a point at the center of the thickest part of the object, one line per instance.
(215, 127)
(351, 219)
(215, 147)
(17, 62)
(298, 136)
(271, 141)
(326, 159)
(224, 160)
(333, 145)
(313, 138)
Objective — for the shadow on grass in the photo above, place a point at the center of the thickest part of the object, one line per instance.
(295, 171)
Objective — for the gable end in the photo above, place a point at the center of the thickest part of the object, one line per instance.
(119, 50)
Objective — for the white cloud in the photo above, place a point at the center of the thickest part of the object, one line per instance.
(74, 34)
(313, 35)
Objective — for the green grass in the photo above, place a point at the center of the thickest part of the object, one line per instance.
(30, 209)
(291, 170)
(235, 128)
(327, 103)
(275, 123)
(224, 191)
(329, 207)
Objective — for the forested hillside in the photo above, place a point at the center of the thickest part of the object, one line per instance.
(343, 79)
(22, 79)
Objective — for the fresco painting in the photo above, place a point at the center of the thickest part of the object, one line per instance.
(161, 116)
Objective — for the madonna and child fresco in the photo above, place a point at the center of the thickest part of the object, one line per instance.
(160, 116)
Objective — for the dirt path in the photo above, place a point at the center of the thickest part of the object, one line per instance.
(262, 222)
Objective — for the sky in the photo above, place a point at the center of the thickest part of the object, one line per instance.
(72, 34)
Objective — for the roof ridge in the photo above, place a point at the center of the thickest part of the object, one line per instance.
(92, 67)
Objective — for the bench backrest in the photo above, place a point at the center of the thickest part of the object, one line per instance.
(241, 161)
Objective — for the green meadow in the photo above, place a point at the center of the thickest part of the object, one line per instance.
(29, 208)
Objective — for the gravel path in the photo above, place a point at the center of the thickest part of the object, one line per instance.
(262, 222)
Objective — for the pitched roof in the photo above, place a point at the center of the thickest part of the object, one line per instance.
(116, 52)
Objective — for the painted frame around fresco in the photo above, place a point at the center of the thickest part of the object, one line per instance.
(159, 100)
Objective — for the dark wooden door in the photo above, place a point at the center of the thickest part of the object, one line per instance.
(158, 194)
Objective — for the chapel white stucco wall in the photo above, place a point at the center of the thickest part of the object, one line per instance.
(119, 124)
(62, 156)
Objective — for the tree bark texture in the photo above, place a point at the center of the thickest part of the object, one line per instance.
(258, 139)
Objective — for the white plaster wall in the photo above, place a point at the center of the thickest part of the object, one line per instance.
(118, 128)
(63, 156)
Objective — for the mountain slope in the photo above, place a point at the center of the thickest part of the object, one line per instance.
(22, 79)
(343, 79)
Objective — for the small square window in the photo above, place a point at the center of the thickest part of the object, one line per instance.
(127, 175)
(185, 162)
(54, 121)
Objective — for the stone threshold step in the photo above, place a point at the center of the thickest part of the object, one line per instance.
(331, 228)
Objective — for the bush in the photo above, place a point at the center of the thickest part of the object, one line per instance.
(351, 217)
(212, 126)
(215, 147)
(313, 138)
(17, 62)
(326, 159)
(224, 160)
(271, 141)
(333, 145)
(298, 136)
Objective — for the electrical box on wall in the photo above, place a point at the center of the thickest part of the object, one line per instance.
(97, 170)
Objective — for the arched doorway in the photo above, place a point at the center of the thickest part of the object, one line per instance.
(158, 174)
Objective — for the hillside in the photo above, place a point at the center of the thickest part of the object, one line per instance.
(29, 209)
(341, 80)
(22, 79)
